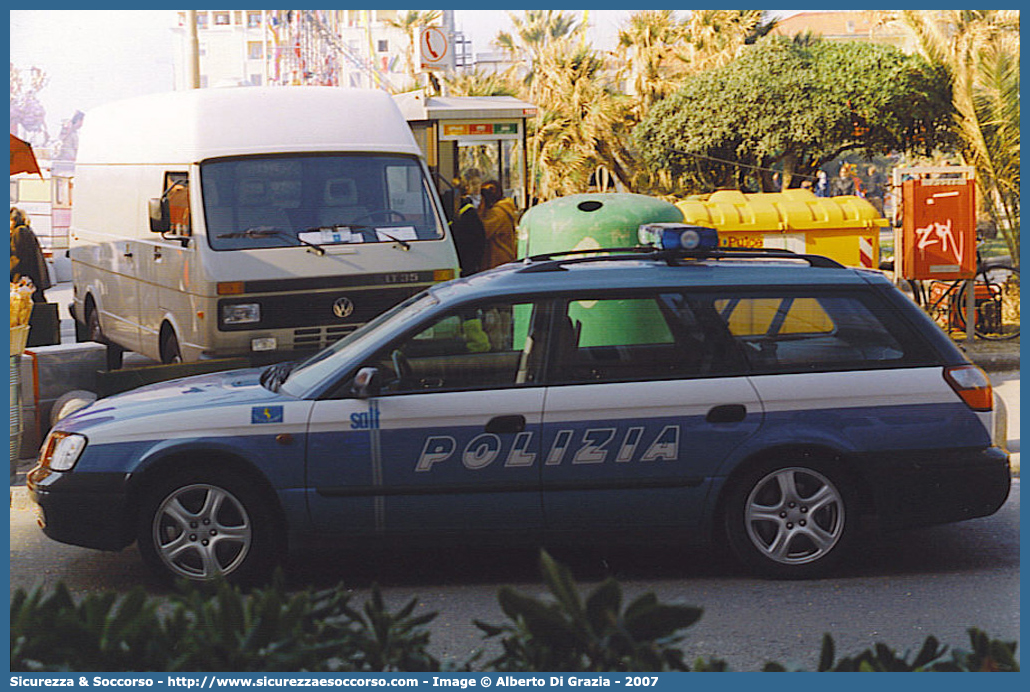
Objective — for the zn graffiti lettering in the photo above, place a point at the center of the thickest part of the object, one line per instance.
(940, 234)
(595, 446)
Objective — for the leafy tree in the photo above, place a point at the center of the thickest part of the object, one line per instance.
(794, 105)
(28, 116)
(660, 50)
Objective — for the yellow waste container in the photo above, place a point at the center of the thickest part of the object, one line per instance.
(846, 229)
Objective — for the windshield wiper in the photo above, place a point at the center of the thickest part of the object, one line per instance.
(362, 227)
(403, 243)
(267, 232)
(273, 376)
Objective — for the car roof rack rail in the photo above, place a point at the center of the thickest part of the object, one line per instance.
(557, 261)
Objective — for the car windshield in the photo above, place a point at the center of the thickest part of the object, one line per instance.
(317, 200)
(324, 364)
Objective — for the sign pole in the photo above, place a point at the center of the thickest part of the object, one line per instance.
(970, 309)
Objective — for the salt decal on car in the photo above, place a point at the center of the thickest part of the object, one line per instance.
(366, 420)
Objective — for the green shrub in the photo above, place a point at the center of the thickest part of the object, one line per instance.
(220, 628)
(217, 628)
(595, 635)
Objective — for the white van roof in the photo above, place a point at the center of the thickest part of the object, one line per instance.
(185, 127)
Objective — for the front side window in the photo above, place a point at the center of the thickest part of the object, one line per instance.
(281, 201)
(177, 197)
(485, 346)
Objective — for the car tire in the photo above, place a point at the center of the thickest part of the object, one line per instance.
(791, 518)
(205, 525)
(170, 352)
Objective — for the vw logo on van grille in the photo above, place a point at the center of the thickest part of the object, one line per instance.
(343, 307)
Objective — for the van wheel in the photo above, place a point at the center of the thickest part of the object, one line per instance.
(791, 519)
(207, 525)
(170, 352)
(115, 353)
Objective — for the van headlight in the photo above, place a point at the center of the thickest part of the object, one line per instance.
(61, 450)
(241, 313)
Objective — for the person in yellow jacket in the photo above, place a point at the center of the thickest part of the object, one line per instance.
(499, 217)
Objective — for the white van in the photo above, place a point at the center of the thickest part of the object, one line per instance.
(222, 222)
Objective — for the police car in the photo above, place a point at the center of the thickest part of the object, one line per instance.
(760, 399)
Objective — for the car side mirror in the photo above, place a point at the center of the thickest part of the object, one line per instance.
(366, 383)
(160, 220)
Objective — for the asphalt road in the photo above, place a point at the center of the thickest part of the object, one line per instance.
(898, 589)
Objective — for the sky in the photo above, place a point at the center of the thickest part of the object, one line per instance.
(93, 57)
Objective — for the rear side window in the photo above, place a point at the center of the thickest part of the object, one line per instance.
(812, 332)
(636, 338)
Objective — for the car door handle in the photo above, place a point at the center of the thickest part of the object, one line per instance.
(506, 424)
(727, 413)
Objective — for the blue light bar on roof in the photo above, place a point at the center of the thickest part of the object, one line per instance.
(678, 236)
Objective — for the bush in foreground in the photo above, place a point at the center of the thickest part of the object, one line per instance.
(220, 628)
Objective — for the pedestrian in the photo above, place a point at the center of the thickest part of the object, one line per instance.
(466, 227)
(473, 181)
(844, 183)
(874, 188)
(822, 184)
(27, 260)
(499, 216)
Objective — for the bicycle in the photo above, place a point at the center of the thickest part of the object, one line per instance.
(995, 295)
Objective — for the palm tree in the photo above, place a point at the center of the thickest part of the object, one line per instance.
(652, 43)
(478, 83)
(534, 31)
(716, 36)
(411, 23)
(980, 51)
(579, 116)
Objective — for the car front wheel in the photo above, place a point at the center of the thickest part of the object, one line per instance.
(207, 527)
(790, 520)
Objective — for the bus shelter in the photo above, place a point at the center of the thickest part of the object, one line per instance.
(472, 138)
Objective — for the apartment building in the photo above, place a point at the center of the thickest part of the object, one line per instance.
(354, 48)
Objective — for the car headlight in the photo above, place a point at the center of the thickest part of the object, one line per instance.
(61, 450)
(241, 313)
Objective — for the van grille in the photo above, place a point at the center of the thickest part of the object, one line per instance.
(317, 338)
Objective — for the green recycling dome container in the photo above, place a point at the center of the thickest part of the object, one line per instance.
(592, 222)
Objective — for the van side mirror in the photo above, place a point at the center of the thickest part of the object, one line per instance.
(366, 383)
(160, 220)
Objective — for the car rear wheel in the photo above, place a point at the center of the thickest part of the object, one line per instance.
(790, 520)
(170, 351)
(207, 526)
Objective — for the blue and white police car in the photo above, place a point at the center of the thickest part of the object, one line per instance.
(765, 400)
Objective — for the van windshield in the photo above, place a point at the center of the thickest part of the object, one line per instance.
(317, 200)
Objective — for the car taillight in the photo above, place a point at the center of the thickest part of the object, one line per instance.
(972, 384)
